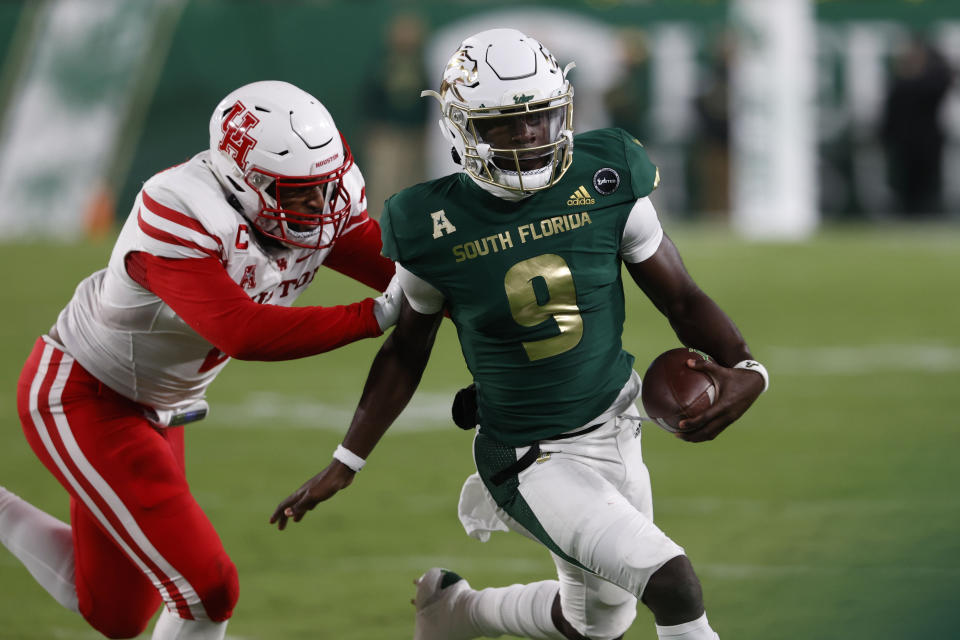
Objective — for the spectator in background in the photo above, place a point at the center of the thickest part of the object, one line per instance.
(712, 145)
(395, 113)
(629, 100)
(911, 130)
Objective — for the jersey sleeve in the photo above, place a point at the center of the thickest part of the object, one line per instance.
(357, 254)
(644, 175)
(391, 248)
(642, 233)
(167, 231)
(422, 296)
(355, 185)
(202, 294)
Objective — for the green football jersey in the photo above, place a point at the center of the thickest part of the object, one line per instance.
(534, 286)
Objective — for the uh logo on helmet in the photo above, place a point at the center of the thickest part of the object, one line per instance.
(507, 109)
(236, 141)
(279, 156)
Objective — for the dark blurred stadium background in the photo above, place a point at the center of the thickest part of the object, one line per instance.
(829, 511)
(117, 90)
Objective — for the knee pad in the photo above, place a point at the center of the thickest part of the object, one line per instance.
(608, 611)
(220, 595)
(613, 612)
(118, 620)
(119, 624)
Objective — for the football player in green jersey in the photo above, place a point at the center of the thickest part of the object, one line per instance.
(524, 248)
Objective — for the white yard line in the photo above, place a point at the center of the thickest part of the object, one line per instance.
(740, 571)
(863, 359)
(430, 410)
(427, 411)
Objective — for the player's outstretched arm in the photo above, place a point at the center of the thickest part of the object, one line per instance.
(356, 254)
(700, 323)
(393, 377)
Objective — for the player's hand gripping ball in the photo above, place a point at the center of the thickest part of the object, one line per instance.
(673, 391)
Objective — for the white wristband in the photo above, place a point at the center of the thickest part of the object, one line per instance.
(349, 458)
(753, 365)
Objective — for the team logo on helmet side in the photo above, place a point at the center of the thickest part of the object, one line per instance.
(236, 141)
(551, 60)
(606, 181)
(462, 69)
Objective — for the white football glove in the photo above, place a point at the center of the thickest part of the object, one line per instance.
(386, 306)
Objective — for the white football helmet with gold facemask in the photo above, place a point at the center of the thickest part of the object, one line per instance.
(507, 107)
(280, 158)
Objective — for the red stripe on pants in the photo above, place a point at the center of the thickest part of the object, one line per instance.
(145, 501)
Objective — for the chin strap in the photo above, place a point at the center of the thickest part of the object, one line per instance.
(498, 191)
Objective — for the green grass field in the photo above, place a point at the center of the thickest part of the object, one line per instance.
(830, 510)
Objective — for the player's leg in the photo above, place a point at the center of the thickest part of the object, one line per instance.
(115, 596)
(43, 544)
(567, 502)
(576, 502)
(103, 567)
(673, 592)
(445, 602)
(170, 625)
(449, 609)
(128, 477)
(588, 607)
(674, 596)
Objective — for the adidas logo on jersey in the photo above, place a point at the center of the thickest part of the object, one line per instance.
(580, 197)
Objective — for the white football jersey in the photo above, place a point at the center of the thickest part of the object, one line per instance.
(132, 341)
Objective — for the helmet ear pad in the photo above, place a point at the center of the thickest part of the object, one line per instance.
(451, 136)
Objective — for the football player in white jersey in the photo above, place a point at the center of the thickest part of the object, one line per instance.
(211, 258)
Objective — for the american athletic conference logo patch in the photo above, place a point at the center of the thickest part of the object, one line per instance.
(606, 181)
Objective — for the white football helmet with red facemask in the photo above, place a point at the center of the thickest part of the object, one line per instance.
(277, 151)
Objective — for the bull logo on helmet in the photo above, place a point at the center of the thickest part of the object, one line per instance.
(236, 141)
(462, 69)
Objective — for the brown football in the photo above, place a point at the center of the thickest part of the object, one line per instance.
(673, 391)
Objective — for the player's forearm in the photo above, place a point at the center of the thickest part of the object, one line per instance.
(357, 255)
(387, 392)
(202, 294)
(393, 378)
(700, 323)
(270, 333)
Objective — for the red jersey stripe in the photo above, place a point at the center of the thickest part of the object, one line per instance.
(177, 217)
(169, 238)
(173, 215)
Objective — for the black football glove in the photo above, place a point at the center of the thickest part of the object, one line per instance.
(465, 408)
